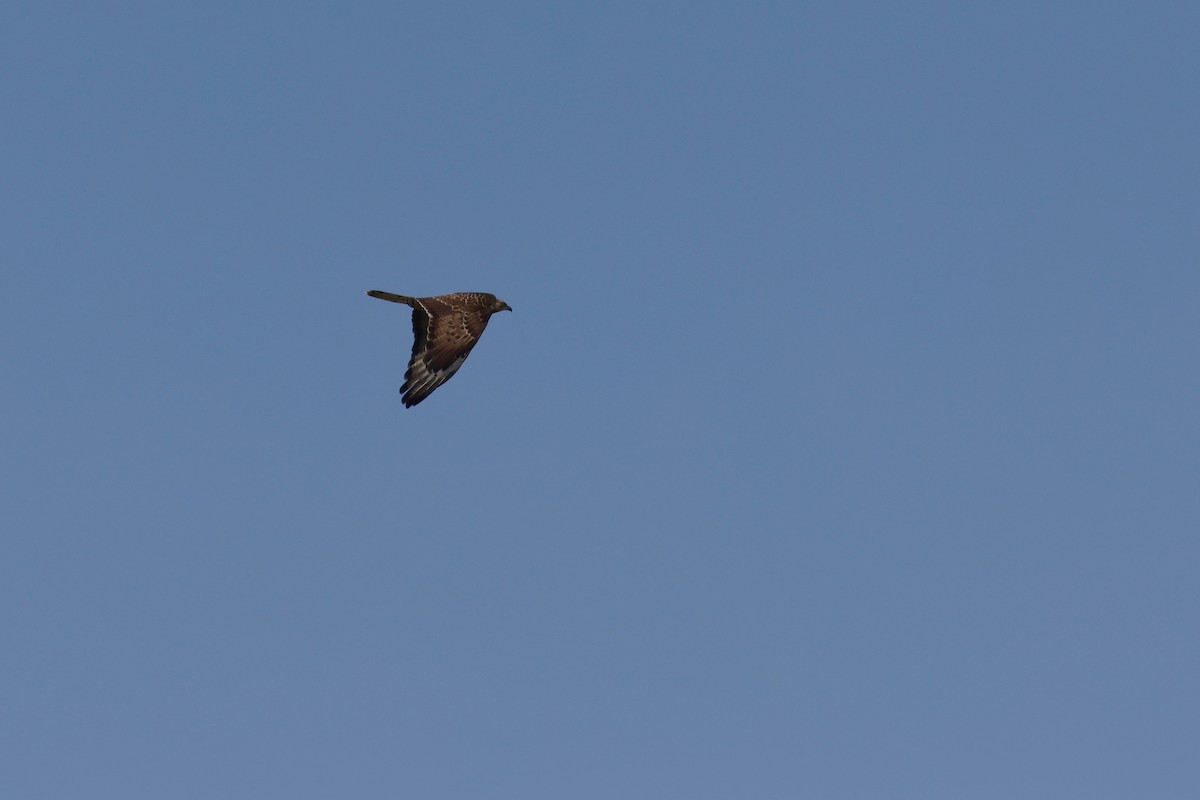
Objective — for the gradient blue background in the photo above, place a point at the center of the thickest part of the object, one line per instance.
(842, 442)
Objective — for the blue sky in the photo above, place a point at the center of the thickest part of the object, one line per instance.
(842, 442)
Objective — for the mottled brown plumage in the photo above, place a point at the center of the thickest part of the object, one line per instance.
(445, 328)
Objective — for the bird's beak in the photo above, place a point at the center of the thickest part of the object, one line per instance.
(505, 307)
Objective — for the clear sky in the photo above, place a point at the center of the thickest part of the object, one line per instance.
(842, 442)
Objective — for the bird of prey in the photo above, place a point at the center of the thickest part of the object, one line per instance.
(445, 328)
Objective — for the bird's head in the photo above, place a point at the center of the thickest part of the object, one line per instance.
(500, 305)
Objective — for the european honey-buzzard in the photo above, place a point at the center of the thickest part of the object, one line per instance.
(445, 328)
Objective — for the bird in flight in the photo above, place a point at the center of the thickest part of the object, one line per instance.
(445, 328)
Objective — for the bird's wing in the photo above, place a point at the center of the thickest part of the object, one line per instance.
(443, 334)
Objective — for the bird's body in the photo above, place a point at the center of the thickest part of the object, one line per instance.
(445, 328)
